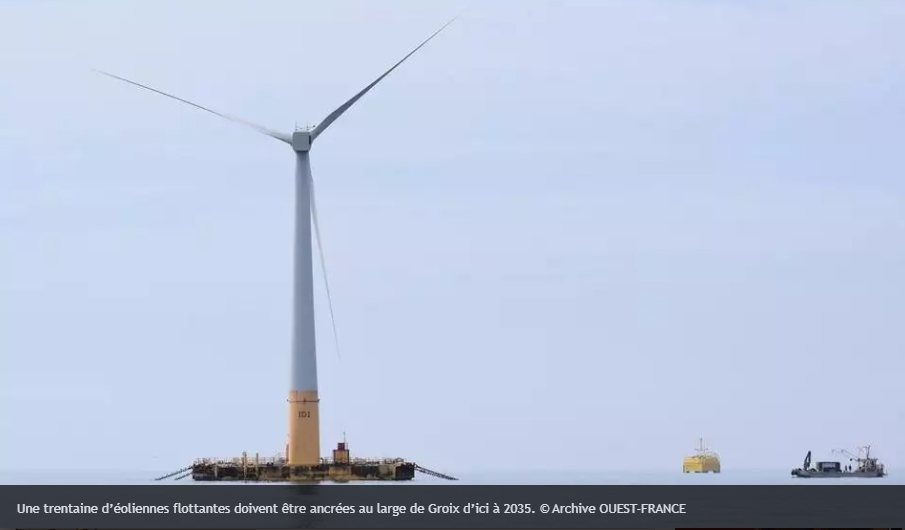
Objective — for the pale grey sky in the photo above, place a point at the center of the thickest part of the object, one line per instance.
(564, 229)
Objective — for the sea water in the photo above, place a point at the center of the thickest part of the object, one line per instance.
(496, 478)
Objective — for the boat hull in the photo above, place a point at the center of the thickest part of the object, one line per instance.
(803, 473)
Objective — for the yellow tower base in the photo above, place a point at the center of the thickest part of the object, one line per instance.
(304, 447)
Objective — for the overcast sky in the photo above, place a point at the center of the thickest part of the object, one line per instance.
(563, 230)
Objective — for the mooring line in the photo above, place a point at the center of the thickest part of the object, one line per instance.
(178, 471)
(433, 473)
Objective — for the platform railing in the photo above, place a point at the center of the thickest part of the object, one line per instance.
(250, 461)
(366, 461)
(281, 461)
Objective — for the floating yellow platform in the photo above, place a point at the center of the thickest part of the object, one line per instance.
(703, 461)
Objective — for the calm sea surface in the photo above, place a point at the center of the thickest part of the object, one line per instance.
(486, 478)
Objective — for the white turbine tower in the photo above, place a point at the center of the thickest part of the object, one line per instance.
(303, 448)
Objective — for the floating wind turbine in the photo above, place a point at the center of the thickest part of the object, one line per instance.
(304, 425)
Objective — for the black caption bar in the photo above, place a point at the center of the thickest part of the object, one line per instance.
(415, 506)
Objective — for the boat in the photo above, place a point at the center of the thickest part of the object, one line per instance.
(703, 461)
(861, 466)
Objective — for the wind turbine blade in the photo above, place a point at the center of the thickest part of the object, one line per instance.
(333, 116)
(263, 130)
(320, 251)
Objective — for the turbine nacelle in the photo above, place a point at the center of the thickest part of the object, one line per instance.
(301, 141)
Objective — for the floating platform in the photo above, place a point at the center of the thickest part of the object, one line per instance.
(340, 468)
(281, 472)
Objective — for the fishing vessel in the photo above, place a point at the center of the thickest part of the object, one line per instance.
(861, 465)
(703, 461)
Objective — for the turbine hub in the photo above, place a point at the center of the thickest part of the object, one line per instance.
(301, 141)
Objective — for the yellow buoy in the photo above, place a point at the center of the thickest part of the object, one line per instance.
(703, 461)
